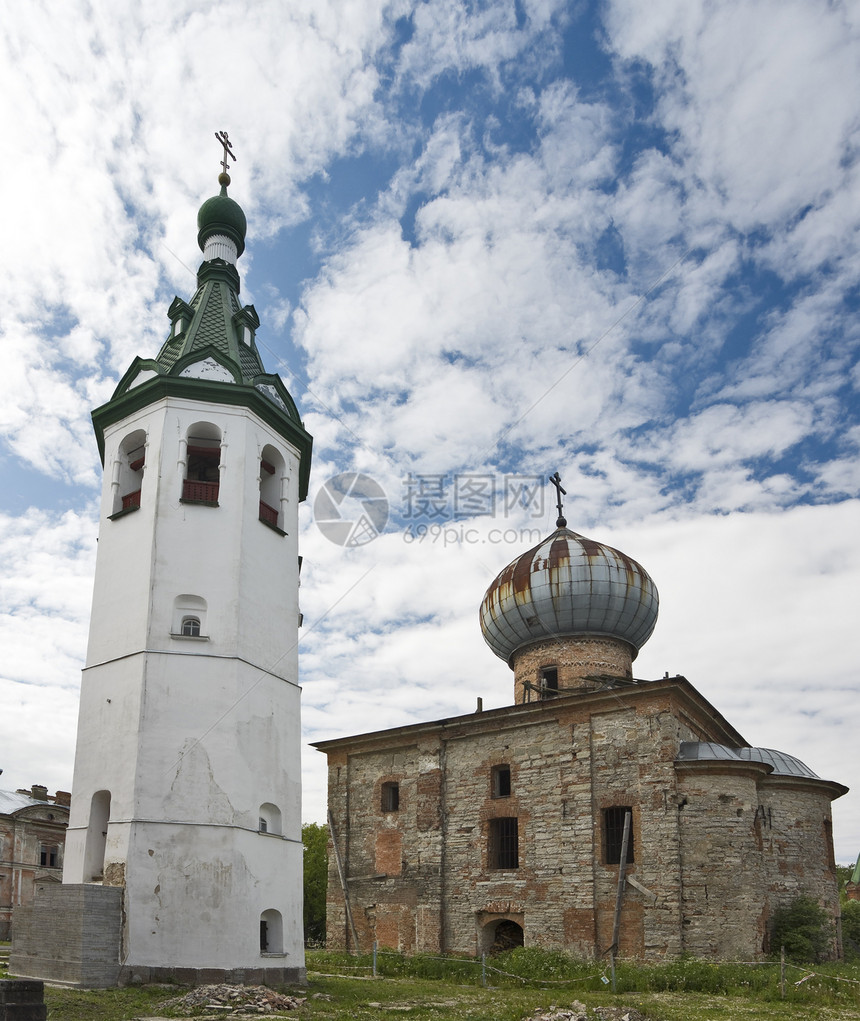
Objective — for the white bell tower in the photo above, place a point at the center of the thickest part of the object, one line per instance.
(186, 792)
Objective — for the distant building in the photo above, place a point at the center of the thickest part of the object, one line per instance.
(507, 827)
(32, 838)
(852, 887)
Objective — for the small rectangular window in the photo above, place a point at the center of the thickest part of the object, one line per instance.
(48, 856)
(264, 826)
(390, 797)
(549, 682)
(613, 834)
(501, 781)
(504, 851)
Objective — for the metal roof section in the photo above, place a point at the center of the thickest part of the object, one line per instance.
(783, 764)
(12, 802)
(569, 585)
(685, 698)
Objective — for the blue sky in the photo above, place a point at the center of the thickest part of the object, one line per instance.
(487, 241)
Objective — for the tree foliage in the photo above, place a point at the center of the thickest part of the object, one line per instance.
(843, 874)
(803, 927)
(315, 841)
(851, 930)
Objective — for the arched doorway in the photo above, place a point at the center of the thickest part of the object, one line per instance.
(507, 935)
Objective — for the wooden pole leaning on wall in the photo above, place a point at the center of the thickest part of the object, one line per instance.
(342, 877)
(782, 973)
(619, 893)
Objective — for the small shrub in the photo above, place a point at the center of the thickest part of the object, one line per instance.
(803, 928)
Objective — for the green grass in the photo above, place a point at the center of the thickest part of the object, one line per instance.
(425, 988)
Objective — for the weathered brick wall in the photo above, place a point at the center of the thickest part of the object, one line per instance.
(392, 859)
(723, 893)
(793, 826)
(751, 842)
(574, 658)
(424, 877)
(566, 765)
(472, 887)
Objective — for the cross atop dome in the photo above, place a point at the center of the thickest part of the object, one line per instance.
(223, 138)
(561, 521)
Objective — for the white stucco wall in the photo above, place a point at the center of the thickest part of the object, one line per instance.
(192, 735)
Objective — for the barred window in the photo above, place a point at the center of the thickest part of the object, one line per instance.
(504, 844)
(613, 834)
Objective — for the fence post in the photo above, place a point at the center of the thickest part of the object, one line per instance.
(375, 945)
(483, 969)
(782, 973)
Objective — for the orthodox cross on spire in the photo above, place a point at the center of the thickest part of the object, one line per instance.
(559, 492)
(228, 151)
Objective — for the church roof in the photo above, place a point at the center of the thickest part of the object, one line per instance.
(216, 323)
(568, 585)
(13, 801)
(683, 695)
(211, 351)
(783, 764)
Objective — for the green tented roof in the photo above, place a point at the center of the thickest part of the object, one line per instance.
(211, 352)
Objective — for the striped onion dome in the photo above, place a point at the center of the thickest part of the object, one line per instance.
(568, 585)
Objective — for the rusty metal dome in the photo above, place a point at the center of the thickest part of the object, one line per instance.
(568, 585)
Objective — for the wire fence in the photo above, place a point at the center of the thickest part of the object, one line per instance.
(456, 965)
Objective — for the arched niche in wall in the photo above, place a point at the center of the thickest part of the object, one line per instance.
(271, 932)
(270, 818)
(202, 464)
(128, 477)
(97, 827)
(272, 471)
(189, 617)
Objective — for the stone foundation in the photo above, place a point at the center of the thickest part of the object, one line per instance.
(213, 976)
(70, 935)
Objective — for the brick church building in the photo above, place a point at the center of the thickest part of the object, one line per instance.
(506, 827)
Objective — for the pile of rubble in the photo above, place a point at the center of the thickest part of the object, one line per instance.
(579, 1012)
(230, 1000)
